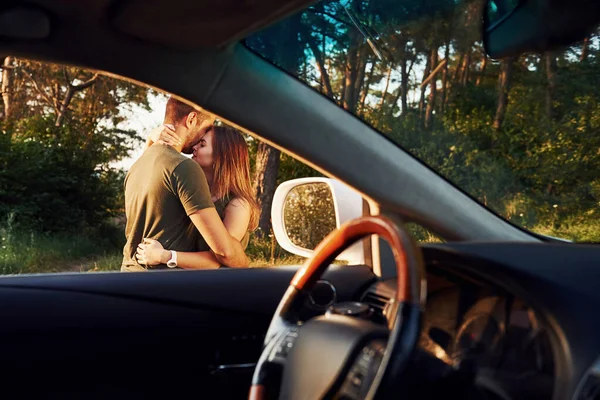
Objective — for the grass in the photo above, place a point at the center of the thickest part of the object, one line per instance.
(24, 252)
(577, 229)
(267, 253)
(107, 262)
(99, 250)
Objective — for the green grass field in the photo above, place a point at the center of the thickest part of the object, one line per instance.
(30, 253)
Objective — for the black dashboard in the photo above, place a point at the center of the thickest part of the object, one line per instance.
(498, 333)
(472, 325)
(520, 316)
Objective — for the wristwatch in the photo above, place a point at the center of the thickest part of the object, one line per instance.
(172, 263)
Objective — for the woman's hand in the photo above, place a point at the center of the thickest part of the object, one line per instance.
(151, 252)
(164, 134)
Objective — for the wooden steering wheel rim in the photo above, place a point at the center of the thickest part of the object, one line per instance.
(400, 242)
(407, 256)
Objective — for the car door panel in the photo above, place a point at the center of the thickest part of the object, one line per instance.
(112, 334)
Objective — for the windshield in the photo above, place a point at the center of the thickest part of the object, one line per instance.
(521, 135)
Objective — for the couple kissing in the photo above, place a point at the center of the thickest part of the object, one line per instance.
(189, 213)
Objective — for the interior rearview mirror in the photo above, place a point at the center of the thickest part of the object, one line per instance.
(306, 210)
(513, 27)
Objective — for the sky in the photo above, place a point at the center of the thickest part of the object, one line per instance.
(142, 121)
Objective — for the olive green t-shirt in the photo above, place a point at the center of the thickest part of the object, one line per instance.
(162, 189)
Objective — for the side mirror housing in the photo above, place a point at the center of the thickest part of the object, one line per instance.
(305, 210)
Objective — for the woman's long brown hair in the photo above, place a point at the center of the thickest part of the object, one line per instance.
(232, 169)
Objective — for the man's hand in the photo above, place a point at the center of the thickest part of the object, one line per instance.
(151, 252)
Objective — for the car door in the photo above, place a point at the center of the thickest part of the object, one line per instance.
(142, 334)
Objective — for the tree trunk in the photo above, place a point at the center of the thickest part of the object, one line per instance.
(363, 53)
(366, 87)
(504, 82)
(445, 78)
(320, 66)
(343, 92)
(7, 86)
(64, 105)
(404, 87)
(351, 72)
(482, 70)
(584, 49)
(466, 70)
(432, 92)
(385, 90)
(550, 61)
(71, 90)
(267, 169)
(423, 87)
(458, 68)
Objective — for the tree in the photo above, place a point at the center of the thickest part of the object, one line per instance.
(504, 82)
(62, 126)
(550, 66)
(432, 88)
(489, 127)
(7, 86)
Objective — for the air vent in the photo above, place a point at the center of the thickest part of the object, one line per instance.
(377, 301)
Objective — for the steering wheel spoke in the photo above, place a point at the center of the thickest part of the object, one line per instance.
(283, 343)
(363, 371)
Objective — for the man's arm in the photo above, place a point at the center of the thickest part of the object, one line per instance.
(227, 249)
(151, 252)
(187, 260)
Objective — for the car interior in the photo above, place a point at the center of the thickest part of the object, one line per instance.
(494, 312)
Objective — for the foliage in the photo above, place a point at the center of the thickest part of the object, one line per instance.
(57, 145)
(57, 179)
(521, 135)
(309, 214)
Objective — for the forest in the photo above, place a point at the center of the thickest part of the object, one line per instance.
(521, 134)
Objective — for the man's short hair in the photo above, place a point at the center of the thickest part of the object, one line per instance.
(177, 110)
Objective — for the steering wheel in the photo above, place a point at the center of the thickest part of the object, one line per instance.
(339, 354)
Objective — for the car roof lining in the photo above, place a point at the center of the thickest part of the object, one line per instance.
(191, 25)
(178, 24)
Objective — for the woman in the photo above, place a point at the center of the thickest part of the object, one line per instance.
(223, 156)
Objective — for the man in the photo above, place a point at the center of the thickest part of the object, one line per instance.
(168, 199)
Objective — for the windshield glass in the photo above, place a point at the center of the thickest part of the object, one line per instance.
(521, 135)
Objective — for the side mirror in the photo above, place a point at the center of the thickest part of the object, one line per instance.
(513, 27)
(305, 210)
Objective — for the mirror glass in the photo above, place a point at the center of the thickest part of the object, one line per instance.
(309, 214)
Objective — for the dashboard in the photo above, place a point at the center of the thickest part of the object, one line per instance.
(474, 326)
